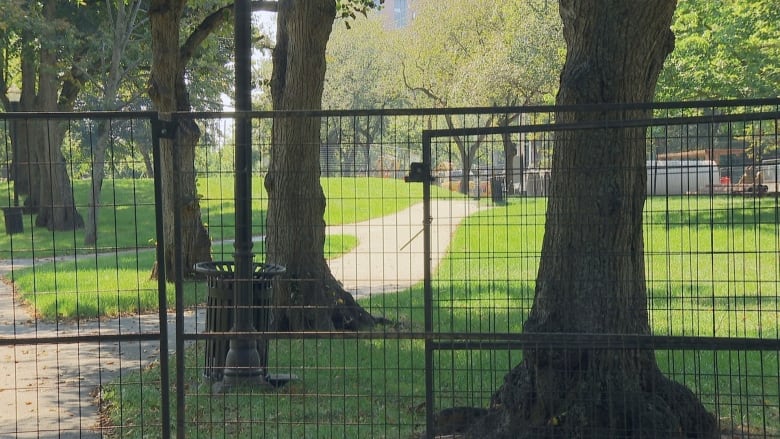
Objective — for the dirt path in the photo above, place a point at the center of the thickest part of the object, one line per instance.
(48, 390)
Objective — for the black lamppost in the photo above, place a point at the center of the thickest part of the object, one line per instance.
(243, 363)
(14, 222)
(239, 291)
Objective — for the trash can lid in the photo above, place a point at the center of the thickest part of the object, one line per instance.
(214, 268)
(227, 268)
(268, 271)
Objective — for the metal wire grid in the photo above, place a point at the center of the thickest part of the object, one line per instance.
(711, 269)
(478, 291)
(74, 328)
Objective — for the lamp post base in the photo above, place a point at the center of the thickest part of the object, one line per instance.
(242, 366)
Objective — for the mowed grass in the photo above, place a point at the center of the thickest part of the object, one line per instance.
(126, 218)
(111, 285)
(711, 270)
(125, 221)
(114, 278)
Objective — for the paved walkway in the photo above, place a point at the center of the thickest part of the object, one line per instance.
(49, 390)
(389, 254)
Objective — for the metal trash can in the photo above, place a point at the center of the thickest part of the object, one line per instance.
(14, 221)
(496, 190)
(220, 310)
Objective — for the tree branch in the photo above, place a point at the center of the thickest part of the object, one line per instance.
(213, 22)
(425, 91)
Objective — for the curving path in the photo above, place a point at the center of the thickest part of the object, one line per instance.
(389, 255)
(49, 390)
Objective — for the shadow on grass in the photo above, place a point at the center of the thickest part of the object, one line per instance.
(375, 387)
(718, 212)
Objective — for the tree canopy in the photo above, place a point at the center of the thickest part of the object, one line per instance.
(481, 52)
(723, 50)
(363, 69)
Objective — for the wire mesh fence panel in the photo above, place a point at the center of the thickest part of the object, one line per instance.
(711, 258)
(79, 310)
(347, 250)
(366, 255)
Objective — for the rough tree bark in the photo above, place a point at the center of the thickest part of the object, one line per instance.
(44, 175)
(309, 297)
(168, 91)
(591, 276)
(56, 206)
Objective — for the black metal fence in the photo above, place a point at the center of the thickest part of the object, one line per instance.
(82, 328)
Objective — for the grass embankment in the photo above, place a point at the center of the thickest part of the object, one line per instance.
(113, 279)
(712, 270)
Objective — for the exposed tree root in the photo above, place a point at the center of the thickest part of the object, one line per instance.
(595, 401)
(327, 306)
(349, 315)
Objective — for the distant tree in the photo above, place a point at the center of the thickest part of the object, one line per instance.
(724, 50)
(102, 44)
(362, 74)
(363, 69)
(118, 62)
(47, 41)
(591, 276)
(482, 53)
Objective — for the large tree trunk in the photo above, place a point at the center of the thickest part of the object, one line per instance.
(467, 152)
(309, 297)
(23, 151)
(40, 171)
(591, 276)
(56, 206)
(167, 89)
(51, 192)
(22, 161)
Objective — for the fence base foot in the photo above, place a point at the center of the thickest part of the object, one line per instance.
(280, 379)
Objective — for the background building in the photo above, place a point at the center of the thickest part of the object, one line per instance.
(398, 13)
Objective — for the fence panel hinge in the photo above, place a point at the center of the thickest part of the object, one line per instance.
(165, 129)
(419, 173)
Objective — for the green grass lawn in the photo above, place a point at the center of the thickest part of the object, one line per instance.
(712, 270)
(116, 281)
(127, 220)
(110, 285)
